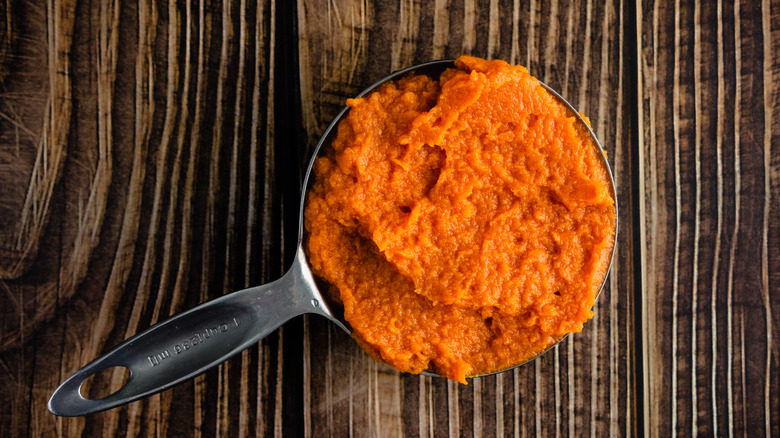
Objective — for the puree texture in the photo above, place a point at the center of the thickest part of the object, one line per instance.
(465, 223)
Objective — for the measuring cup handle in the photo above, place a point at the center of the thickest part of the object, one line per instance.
(189, 343)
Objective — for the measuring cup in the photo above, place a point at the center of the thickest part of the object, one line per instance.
(190, 343)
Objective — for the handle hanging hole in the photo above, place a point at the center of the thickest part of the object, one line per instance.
(104, 383)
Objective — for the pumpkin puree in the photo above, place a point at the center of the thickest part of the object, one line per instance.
(466, 223)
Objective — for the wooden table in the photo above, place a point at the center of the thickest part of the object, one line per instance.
(151, 157)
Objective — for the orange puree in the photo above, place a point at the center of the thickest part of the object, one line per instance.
(465, 223)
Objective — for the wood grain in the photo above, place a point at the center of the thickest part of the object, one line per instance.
(583, 385)
(147, 108)
(708, 116)
(151, 156)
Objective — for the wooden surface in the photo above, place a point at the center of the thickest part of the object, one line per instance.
(151, 156)
(709, 195)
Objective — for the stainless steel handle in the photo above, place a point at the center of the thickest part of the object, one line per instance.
(190, 343)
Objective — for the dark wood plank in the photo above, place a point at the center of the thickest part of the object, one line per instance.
(585, 384)
(166, 198)
(708, 115)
